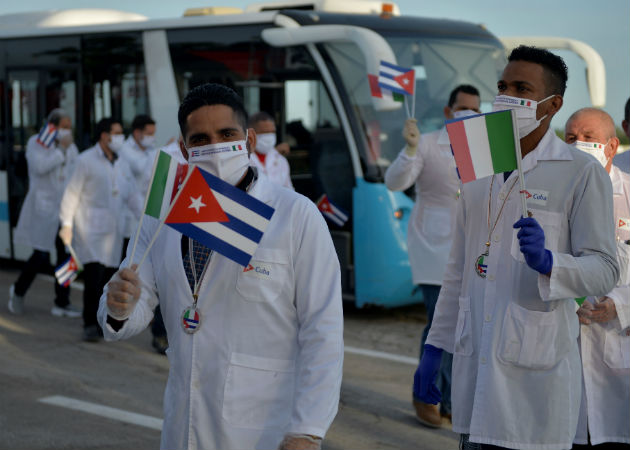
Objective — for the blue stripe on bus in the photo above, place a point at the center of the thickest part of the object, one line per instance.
(4, 211)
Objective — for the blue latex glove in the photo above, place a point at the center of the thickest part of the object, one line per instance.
(424, 388)
(531, 238)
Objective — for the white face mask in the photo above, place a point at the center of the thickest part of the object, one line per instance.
(226, 160)
(595, 149)
(147, 141)
(525, 111)
(64, 134)
(464, 113)
(116, 143)
(265, 142)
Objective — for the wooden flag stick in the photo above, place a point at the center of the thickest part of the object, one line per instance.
(519, 163)
(74, 256)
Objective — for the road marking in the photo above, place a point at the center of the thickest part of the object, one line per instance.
(104, 411)
(382, 355)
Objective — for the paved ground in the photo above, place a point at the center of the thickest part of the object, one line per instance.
(42, 356)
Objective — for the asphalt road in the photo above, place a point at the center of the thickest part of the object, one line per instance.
(57, 392)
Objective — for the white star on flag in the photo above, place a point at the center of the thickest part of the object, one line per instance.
(196, 203)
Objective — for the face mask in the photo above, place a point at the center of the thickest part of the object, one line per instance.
(525, 112)
(117, 142)
(594, 149)
(64, 134)
(226, 160)
(147, 141)
(265, 142)
(464, 113)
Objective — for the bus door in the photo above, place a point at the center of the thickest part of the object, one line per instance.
(31, 95)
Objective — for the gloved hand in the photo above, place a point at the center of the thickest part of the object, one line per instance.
(585, 313)
(424, 388)
(531, 238)
(294, 441)
(123, 292)
(412, 136)
(604, 311)
(65, 234)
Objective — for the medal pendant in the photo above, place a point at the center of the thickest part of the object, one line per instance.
(191, 320)
(480, 265)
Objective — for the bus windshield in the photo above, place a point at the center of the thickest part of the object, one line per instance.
(440, 65)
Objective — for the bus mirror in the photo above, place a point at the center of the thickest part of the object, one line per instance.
(372, 45)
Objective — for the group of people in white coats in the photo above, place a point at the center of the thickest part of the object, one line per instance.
(526, 374)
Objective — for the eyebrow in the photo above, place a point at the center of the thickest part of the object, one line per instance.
(517, 82)
(228, 129)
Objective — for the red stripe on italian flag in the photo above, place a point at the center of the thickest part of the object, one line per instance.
(483, 145)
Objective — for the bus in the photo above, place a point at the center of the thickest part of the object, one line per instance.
(304, 62)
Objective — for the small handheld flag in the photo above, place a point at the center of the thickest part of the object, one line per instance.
(331, 212)
(376, 91)
(47, 135)
(167, 177)
(220, 216)
(67, 272)
(396, 78)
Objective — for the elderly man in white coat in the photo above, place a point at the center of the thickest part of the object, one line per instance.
(266, 157)
(605, 329)
(517, 374)
(91, 215)
(263, 369)
(428, 163)
(49, 169)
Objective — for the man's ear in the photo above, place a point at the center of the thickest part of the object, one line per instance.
(556, 103)
(251, 140)
(182, 148)
(448, 112)
(613, 145)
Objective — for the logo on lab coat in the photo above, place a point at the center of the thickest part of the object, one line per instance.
(623, 224)
(257, 270)
(536, 197)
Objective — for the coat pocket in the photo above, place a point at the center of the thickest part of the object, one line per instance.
(436, 222)
(265, 277)
(463, 329)
(617, 350)
(533, 339)
(551, 224)
(258, 392)
(45, 204)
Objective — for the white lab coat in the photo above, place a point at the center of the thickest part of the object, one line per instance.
(605, 349)
(276, 167)
(49, 170)
(140, 163)
(267, 358)
(516, 368)
(430, 228)
(93, 205)
(622, 161)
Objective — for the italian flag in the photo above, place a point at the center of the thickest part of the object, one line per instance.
(483, 145)
(165, 181)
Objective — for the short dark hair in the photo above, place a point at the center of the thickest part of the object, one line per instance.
(141, 121)
(626, 114)
(260, 116)
(104, 126)
(554, 67)
(466, 89)
(207, 95)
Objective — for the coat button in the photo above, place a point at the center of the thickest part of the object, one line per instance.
(491, 277)
(488, 317)
(483, 360)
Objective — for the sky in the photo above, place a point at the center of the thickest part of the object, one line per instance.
(604, 25)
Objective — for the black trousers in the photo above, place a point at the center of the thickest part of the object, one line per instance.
(38, 260)
(157, 327)
(95, 277)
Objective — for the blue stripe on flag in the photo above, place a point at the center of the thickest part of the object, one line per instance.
(216, 244)
(251, 233)
(394, 67)
(237, 195)
(392, 88)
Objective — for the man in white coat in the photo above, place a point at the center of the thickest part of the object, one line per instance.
(428, 163)
(91, 215)
(49, 169)
(263, 368)
(265, 157)
(517, 375)
(622, 160)
(605, 329)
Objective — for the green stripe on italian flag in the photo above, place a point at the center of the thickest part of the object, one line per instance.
(163, 185)
(483, 145)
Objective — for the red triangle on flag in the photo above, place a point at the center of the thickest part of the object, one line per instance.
(196, 203)
(324, 205)
(72, 265)
(406, 81)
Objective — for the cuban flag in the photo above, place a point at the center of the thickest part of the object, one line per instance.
(332, 212)
(220, 216)
(399, 80)
(47, 135)
(67, 272)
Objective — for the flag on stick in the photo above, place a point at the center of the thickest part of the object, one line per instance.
(396, 78)
(47, 135)
(331, 212)
(167, 177)
(377, 92)
(219, 215)
(483, 144)
(67, 272)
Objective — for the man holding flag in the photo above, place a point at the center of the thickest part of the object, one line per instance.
(249, 285)
(427, 162)
(506, 309)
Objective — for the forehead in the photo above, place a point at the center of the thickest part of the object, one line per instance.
(65, 122)
(524, 71)
(116, 127)
(462, 98)
(585, 122)
(265, 125)
(211, 118)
